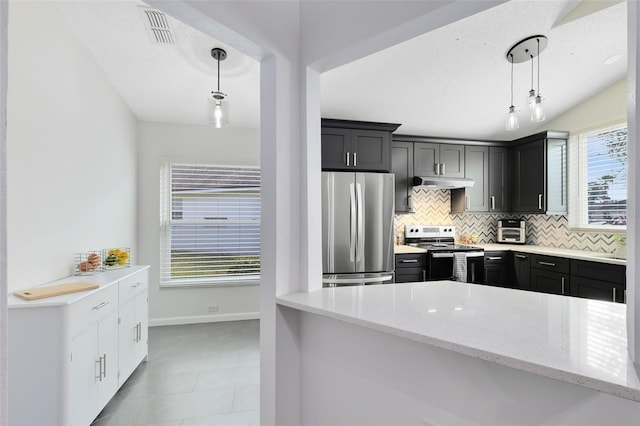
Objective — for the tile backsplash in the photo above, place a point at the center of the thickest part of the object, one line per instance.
(433, 207)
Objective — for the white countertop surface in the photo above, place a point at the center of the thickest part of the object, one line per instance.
(103, 279)
(575, 340)
(594, 256)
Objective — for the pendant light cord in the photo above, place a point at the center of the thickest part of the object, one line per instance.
(538, 40)
(532, 71)
(219, 71)
(511, 79)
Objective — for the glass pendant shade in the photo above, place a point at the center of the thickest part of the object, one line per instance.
(218, 113)
(513, 121)
(531, 99)
(537, 113)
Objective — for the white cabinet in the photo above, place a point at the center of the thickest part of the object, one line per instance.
(69, 354)
(133, 324)
(94, 369)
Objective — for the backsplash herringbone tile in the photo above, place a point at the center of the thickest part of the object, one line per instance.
(433, 207)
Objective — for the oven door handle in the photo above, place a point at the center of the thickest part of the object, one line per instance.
(441, 255)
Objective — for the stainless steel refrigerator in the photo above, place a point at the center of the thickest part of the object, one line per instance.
(357, 228)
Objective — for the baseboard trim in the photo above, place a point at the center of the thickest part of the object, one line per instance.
(203, 318)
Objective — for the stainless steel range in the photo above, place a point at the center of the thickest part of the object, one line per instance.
(446, 260)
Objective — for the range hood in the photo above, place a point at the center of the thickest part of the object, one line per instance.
(441, 182)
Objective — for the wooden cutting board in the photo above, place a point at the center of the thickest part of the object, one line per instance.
(55, 290)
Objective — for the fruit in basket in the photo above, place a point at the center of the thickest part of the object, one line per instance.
(86, 266)
(116, 257)
(94, 260)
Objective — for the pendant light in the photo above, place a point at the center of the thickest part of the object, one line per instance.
(525, 50)
(537, 112)
(513, 121)
(531, 99)
(218, 108)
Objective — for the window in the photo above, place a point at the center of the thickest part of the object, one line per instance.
(210, 225)
(599, 176)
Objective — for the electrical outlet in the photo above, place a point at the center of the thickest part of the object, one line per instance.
(212, 308)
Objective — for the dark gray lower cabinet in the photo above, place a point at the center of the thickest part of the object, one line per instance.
(550, 274)
(411, 267)
(522, 271)
(601, 281)
(496, 268)
(549, 282)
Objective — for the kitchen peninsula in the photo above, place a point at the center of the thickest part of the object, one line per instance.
(425, 349)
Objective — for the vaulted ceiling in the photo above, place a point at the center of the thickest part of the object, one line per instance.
(452, 82)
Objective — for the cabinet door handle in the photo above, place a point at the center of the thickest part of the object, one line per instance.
(139, 332)
(355, 159)
(348, 160)
(436, 168)
(104, 371)
(409, 201)
(100, 306)
(493, 202)
(521, 256)
(494, 258)
(539, 201)
(467, 202)
(443, 169)
(547, 264)
(424, 275)
(409, 261)
(99, 362)
(562, 285)
(614, 294)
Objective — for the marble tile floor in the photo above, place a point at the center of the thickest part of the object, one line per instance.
(196, 375)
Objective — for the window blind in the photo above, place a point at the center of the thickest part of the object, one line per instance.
(210, 224)
(601, 171)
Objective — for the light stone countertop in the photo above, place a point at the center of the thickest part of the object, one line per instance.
(593, 256)
(103, 279)
(575, 340)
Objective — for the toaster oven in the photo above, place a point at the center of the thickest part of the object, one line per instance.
(511, 231)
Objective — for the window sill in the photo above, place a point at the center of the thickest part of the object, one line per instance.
(209, 284)
(599, 229)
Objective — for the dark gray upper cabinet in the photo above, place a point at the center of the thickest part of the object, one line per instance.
(435, 159)
(476, 167)
(540, 173)
(499, 179)
(402, 167)
(356, 145)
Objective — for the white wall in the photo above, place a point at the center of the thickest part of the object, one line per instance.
(607, 106)
(4, 364)
(159, 142)
(71, 150)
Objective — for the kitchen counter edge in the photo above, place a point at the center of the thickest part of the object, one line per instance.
(593, 256)
(314, 303)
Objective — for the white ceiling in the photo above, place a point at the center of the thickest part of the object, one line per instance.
(452, 82)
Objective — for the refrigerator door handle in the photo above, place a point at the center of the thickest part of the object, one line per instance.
(360, 208)
(353, 227)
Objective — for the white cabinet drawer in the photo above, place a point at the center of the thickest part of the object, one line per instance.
(133, 285)
(92, 308)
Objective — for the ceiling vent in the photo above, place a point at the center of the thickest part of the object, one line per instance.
(157, 26)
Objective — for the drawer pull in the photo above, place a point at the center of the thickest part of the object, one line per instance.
(100, 306)
(409, 261)
(547, 264)
(494, 258)
(562, 285)
(521, 256)
(136, 285)
(614, 294)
